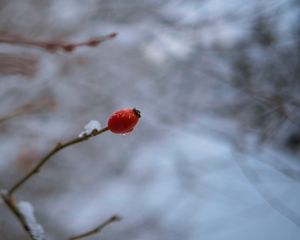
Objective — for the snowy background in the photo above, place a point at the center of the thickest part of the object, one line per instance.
(216, 152)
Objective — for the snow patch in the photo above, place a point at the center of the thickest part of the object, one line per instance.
(27, 211)
(90, 127)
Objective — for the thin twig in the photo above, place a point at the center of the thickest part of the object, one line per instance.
(98, 229)
(53, 46)
(55, 150)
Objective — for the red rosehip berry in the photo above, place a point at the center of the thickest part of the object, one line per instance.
(124, 120)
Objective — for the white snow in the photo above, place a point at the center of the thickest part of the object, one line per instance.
(90, 127)
(27, 211)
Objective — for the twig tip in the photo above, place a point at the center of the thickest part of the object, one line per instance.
(116, 218)
(112, 35)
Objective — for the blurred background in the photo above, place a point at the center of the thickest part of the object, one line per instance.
(216, 152)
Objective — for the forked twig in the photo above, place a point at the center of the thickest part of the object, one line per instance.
(7, 196)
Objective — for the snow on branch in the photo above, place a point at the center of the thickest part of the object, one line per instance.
(36, 230)
(89, 128)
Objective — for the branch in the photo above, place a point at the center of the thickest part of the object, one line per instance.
(24, 211)
(98, 229)
(11, 204)
(7, 196)
(53, 46)
(55, 150)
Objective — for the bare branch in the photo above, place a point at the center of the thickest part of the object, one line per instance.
(8, 195)
(53, 46)
(98, 229)
(55, 150)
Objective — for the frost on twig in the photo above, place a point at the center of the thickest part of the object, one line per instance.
(27, 212)
(89, 128)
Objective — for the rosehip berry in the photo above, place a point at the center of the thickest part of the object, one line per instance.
(124, 120)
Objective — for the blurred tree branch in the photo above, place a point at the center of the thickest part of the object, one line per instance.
(51, 45)
(36, 105)
(265, 193)
(11, 63)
